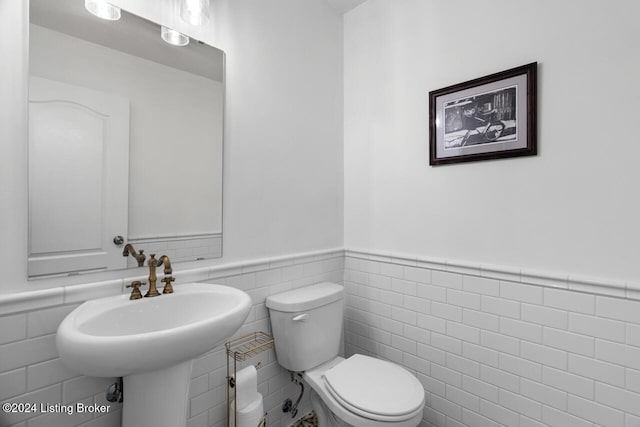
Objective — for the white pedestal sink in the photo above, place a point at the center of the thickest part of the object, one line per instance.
(151, 342)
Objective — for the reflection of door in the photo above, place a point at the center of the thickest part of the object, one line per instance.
(78, 178)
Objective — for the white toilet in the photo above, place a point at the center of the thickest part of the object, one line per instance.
(358, 391)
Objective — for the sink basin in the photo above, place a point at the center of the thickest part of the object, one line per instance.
(151, 343)
(116, 337)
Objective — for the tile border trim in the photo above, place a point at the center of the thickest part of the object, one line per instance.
(49, 297)
(572, 282)
(30, 300)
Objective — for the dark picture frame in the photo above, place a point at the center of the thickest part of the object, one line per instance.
(491, 117)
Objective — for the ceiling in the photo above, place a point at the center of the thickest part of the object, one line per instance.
(343, 6)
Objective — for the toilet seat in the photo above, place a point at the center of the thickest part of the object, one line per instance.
(315, 378)
(375, 389)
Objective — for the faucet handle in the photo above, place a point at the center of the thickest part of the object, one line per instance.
(168, 289)
(135, 293)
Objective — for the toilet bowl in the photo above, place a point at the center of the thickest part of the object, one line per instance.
(357, 391)
(364, 391)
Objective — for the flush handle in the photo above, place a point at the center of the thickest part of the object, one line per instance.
(300, 317)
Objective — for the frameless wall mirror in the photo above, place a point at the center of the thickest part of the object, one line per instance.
(125, 142)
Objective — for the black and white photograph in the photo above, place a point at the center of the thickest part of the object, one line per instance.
(482, 119)
(486, 118)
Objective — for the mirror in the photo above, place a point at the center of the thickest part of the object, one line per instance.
(125, 142)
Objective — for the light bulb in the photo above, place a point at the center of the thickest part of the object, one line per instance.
(194, 12)
(173, 37)
(102, 9)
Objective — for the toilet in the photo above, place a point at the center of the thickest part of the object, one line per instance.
(358, 391)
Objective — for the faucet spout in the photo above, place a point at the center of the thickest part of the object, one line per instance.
(166, 262)
(139, 256)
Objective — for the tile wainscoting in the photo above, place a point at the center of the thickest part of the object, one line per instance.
(493, 346)
(31, 372)
(497, 346)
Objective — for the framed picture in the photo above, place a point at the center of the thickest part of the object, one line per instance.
(491, 117)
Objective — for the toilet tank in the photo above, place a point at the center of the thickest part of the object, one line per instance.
(307, 325)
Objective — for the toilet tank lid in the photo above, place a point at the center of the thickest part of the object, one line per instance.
(306, 298)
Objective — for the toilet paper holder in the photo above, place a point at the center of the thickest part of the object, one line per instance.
(239, 350)
(232, 379)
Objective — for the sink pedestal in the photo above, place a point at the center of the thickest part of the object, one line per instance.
(157, 398)
(151, 343)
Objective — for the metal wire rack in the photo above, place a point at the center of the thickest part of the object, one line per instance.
(249, 345)
(239, 350)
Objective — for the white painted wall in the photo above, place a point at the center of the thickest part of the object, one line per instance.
(283, 169)
(573, 208)
(283, 161)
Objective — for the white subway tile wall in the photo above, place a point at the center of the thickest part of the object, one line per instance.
(31, 372)
(495, 347)
(492, 346)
